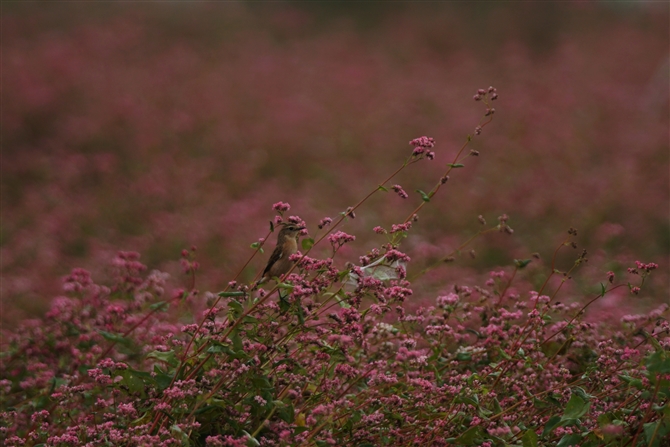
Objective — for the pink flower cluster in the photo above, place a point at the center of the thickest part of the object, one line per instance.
(401, 192)
(422, 147)
(383, 351)
(340, 238)
(325, 222)
(401, 227)
(491, 92)
(281, 207)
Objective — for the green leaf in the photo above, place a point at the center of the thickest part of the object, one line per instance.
(251, 441)
(284, 305)
(654, 434)
(237, 341)
(575, 408)
(229, 294)
(604, 419)
(455, 165)
(425, 197)
(579, 391)
(300, 313)
(590, 439)
(474, 401)
(521, 263)
(162, 380)
(657, 346)
(133, 381)
(540, 404)
(286, 413)
(261, 383)
(469, 436)
(632, 381)
(236, 308)
(570, 440)
(603, 289)
(463, 356)
(116, 338)
(553, 399)
(381, 188)
(496, 406)
(272, 227)
(307, 243)
(219, 348)
(168, 357)
(551, 424)
(343, 274)
(342, 300)
(160, 305)
(257, 246)
(570, 422)
(504, 355)
(529, 438)
(658, 363)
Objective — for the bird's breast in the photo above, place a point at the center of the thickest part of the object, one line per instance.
(290, 246)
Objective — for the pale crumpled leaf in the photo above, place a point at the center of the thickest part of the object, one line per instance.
(380, 269)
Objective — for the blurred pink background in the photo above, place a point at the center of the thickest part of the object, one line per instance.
(153, 127)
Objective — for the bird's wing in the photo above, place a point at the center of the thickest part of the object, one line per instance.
(274, 257)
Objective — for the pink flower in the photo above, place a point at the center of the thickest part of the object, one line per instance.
(395, 255)
(281, 207)
(424, 142)
(422, 145)
(491, 92)
(448, 300)
(298, 221)
(77, 280)
(401, 192)
(379, 230)
(340, 238)
(401, 227)
(647, 267)
(325, 222)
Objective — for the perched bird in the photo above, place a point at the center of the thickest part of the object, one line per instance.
(287, 244)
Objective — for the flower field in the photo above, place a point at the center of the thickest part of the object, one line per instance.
(501, 280)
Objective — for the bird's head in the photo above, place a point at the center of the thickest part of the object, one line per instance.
(290, 230)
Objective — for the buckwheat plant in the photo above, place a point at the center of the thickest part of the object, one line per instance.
(330, 354)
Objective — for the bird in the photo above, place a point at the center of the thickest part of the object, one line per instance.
(287, 244)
